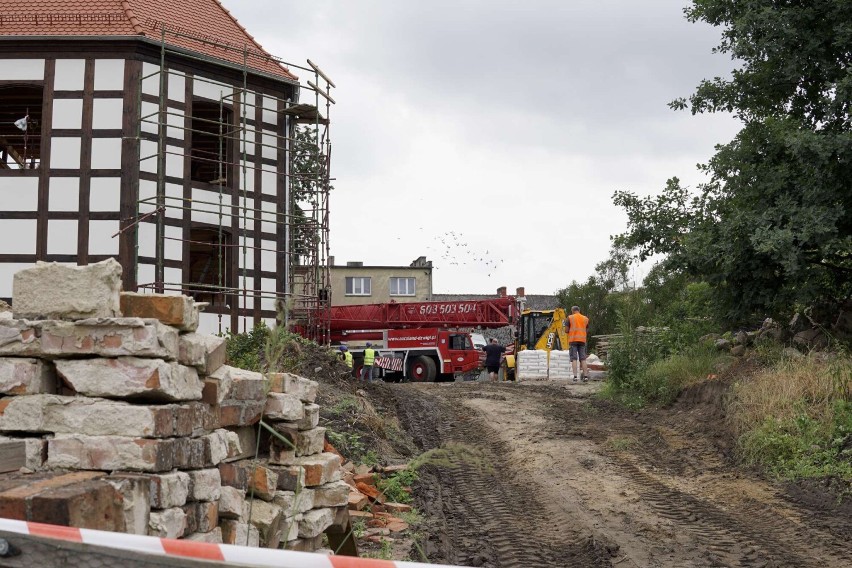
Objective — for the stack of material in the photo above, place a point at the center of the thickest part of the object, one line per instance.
(560, 365)
(368, 504)
(531, 365)
(124, 419)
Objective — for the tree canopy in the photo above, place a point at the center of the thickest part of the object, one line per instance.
(772, 227)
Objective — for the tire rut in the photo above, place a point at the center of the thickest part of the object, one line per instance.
(487, 520)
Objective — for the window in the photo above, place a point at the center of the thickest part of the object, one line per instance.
(209, 266)
(20, 126)
(211, 142)
(460, 342)
(402, 286)
(358, 286)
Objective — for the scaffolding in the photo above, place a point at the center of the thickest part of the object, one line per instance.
(301, 298)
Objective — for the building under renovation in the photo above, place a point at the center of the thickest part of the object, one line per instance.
(159, 132)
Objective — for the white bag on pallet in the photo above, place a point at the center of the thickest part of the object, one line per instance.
(532, 364)
(560, 365)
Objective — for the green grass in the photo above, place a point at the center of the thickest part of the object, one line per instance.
(621, 443)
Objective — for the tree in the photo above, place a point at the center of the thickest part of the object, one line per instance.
(773, 226)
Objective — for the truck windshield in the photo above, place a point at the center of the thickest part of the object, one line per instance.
(460, 342)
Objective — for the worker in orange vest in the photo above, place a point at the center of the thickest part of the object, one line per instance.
(577, 326)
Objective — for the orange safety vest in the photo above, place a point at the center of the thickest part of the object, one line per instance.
(577, 330)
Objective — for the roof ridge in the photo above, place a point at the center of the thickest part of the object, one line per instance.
(251, 37)
(131, 16)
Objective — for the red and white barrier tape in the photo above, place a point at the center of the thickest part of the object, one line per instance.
(238, 555)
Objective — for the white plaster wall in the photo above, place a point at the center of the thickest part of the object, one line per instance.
(150, 85)
(109, 74)
(104, 194)
(148, 156)
(174, 161)
(101, 239)
(207, 213)
(269, 182)
(106, 153)
(175, 120)
(63, 194)
(67, 113)
(19, 236)
(173, 245)
(267, 262)
(149, 114)
(270, 145)
(147, 241)
(69, 74)
(65, 153)
(62, 236)
(22, 69)
(246, 213)
(147, 190)
(174, 201)
(145, 275)
(270, 108)
(209, 323)
(269, 219)
(107, 113)
(269, 246)
(213, 90)
(268, 287)
(177, 86)
(18, 194)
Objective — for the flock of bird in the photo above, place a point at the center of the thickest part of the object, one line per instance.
(453, 248)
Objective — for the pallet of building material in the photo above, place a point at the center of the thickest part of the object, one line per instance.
(532, 365)
(560, 365)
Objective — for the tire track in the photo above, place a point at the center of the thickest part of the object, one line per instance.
(488, 521)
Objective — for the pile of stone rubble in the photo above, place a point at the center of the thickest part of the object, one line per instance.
(115, 415)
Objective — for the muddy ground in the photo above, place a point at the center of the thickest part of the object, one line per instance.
(560, 478)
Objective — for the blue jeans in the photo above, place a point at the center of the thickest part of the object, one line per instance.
(367, 373)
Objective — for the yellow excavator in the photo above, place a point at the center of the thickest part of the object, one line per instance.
(537, 329)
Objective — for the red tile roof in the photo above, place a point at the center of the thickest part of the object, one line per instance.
(211, 26)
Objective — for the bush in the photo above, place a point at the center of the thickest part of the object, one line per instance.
(265, 349)
(795, 418)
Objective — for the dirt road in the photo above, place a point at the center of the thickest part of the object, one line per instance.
(563, 479)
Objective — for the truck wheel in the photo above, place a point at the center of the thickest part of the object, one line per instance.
(422, 369)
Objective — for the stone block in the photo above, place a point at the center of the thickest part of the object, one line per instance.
(26, 376)
(215, 447)
(110, 453)
(212, 537)
(19, 338)
(319, 469)
(201, 516)
(304, 544)
(115, 337)
(239, 413)
(311, 418)
(231, 502)
(266, 518)
(190, 453)
(256, 478)
(90, 416)
(314, 522)
(55, 291)
(135, 491)
(239, 533)
(242, 443)
(288, 383)
(286, 407)
(176, 311)
(169, 523)
(133, 378)
(207, 353)
(239, 384)
(295, 503)
(17, 490)
(35, 451)
(334, 494)
(205, 484)
(169, 490)
(290, 477)
(302, 442)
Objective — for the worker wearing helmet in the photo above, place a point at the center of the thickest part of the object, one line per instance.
(369, 358)
(346, 356)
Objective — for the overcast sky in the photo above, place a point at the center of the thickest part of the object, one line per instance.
(490, 135)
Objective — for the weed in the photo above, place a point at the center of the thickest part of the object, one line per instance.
(621, 443)
(795, 418)
(394, 487)
(346, 405)
(452, 455)
(348, 443)
(412, 517)
(359, 528)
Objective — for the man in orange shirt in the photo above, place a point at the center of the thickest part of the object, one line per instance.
(577, 326)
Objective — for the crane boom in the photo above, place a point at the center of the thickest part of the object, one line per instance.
(490, 313)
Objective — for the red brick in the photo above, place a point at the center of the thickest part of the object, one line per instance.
(93, 504)
(18, 491)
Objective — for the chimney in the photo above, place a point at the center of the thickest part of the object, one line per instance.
(520, 292)
(331, 260)
(501, 292)
(355, 264)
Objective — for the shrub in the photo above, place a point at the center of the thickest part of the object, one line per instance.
(795, 418)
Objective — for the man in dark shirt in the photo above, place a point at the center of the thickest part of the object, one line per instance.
(493, 352)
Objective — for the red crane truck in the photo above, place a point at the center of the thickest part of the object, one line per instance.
(420, 341)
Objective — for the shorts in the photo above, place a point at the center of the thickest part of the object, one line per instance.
(578, 350)
(493, 368)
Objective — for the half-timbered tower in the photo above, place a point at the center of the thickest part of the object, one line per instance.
(159, 132)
